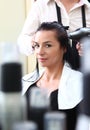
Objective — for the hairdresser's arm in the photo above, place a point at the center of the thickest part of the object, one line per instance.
(31, 24)
(79, 47)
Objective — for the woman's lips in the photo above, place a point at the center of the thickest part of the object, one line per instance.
(42, 59)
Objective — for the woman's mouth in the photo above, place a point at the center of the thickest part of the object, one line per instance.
(41, 59)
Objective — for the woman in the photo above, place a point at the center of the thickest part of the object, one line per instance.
(63, 84)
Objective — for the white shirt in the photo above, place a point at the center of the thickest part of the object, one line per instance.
(70, 89)
(45, 11)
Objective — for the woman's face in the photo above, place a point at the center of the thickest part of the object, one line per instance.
(47, 49)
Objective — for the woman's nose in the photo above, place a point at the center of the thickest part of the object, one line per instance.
(40, 50)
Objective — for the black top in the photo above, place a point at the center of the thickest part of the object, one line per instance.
(71, 114)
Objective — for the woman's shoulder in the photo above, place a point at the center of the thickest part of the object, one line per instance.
(71, 88)
(73, 72)
(31, 76)
(29, 79)
(77, 72)
(75, 77)
(28, 76)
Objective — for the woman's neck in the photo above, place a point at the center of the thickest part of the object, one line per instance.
(53, 73)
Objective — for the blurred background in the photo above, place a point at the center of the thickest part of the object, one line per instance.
(12, 17)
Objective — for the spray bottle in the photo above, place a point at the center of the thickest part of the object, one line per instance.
(12, 104)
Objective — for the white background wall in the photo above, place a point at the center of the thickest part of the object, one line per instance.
(12, 17)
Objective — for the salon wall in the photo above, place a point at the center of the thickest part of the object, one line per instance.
(31, 60)
(12, 17)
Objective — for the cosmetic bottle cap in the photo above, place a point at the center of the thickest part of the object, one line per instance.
(11, 77)
(11, 69)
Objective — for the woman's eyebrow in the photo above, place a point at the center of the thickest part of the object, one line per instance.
(42, 42)
(46, 42)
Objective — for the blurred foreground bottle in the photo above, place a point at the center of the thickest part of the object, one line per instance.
(25, 125)
(54, 120)
(12, 103)
(83, 122)
(83, 36)
(38, 105)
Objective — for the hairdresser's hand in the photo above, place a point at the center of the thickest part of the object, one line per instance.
(79, 47)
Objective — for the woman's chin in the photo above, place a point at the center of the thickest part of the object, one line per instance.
(43, 65)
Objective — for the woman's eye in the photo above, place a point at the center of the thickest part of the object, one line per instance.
(36, 46)
(48, 45)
